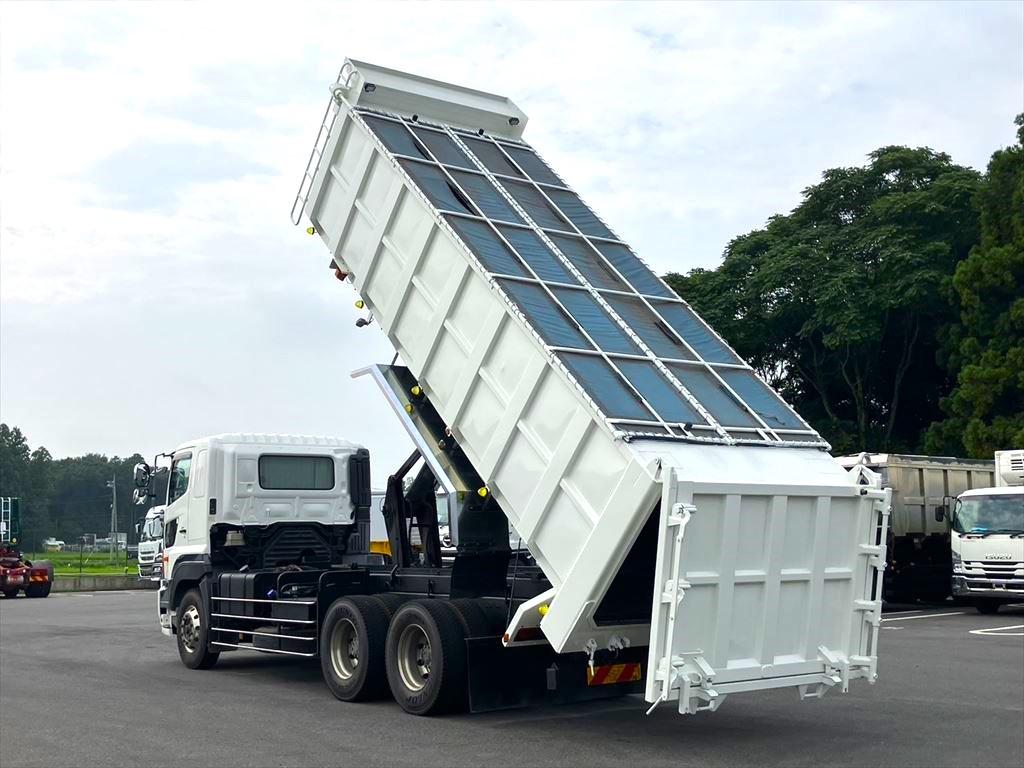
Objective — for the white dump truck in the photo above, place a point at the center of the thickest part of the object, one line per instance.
(151, 544)
(988, 537)
(689, 536)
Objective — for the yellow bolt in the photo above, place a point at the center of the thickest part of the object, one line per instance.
(543, 610)
(310, 230)
(360, 303)
(408, 408)
(416, 391)
(482, 492)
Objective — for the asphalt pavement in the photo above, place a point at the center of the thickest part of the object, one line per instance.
(86, 679)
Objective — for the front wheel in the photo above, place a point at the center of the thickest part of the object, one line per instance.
(38, 590)
(9, 593)
(193, 633)
(987, 607)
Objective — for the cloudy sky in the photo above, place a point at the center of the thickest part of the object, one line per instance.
(153, 288)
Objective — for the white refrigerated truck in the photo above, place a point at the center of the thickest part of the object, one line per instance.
(988, 537)
(689, 536)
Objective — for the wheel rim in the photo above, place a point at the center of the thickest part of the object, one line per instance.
(345, 649)
(414, 657)
(189, 629)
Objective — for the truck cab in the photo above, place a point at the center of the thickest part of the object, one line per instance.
(988, 538)
(151, 544)
(248, 501)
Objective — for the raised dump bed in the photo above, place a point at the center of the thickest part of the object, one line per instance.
(626, 442)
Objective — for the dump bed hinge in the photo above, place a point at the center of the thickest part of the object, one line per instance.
(695, 677)
(837, 668)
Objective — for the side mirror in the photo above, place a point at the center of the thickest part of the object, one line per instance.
(142, 475)
(940, 514)
(140, 495)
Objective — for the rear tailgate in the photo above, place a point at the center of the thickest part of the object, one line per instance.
(765, 586)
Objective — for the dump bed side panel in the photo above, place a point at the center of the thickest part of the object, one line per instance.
(552, 464)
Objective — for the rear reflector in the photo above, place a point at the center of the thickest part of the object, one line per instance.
(613, 673)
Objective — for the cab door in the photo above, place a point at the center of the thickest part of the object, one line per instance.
(198, 525)
(183, 533)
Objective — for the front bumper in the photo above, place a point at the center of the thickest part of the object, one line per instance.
(163, 614)
(149, 571)
(971, 586)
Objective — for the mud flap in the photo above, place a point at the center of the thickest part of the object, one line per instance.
(508, 678)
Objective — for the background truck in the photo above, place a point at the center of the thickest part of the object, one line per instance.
(988, 537)
(17, 574)
(689, 536)
(151, 544)
(918, 563)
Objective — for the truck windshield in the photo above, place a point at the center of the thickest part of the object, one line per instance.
(153, 529)
(989, 514)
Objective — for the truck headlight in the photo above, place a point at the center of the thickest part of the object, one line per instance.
(958, 565)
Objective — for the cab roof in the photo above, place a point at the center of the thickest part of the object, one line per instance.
(270, 439)
(1006, 490)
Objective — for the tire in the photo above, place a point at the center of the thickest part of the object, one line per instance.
(987, 607)
(426, 658)
(474, 621)
(38, 590)
(391, 602)
(10, 593)
(352, 642)
(497, 615)
(194, 633)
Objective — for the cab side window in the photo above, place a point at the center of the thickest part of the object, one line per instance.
(177, 483)
(170, 532)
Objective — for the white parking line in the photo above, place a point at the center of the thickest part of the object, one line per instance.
(999, 631)
(903, 613)
(927, 616)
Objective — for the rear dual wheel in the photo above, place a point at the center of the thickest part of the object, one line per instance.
(352, 640)
(417, 648)
(426, 658)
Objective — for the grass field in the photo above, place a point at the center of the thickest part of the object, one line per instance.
(87, 563)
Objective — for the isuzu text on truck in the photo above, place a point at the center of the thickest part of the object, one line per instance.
(689, 536)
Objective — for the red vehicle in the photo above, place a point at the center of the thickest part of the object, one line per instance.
(17, 573)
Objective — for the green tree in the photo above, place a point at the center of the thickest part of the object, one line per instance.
(985, 350)
(15, 459)
(841, 303)
(64, 498)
